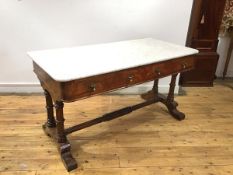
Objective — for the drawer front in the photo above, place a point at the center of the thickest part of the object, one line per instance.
(106, 82)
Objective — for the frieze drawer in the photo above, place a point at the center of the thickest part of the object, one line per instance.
(124, 78)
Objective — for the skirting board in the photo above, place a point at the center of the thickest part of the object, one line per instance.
(229, 73)
(36, 88)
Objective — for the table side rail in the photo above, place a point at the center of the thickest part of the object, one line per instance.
(86, 87)
(47, 82)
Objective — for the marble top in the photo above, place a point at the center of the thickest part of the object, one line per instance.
(67, 64)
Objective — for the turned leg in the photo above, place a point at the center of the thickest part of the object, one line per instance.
(49, 107)
(57, 133)
(61, 137)
(155, 88)
(170, 103)
(63, 144)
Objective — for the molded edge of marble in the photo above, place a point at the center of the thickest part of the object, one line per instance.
(59, 78)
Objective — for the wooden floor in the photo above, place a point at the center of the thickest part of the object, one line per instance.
(145, 142)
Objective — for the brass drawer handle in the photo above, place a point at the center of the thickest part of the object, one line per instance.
(184, 65)
(157, 71)
(131, 78)
(93, 87)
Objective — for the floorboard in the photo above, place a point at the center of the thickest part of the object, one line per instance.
(146, 142)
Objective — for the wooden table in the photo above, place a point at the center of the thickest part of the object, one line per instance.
(70, 74)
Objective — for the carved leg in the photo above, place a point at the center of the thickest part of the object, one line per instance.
(59, 136)
(170, 103)
(155, 89)
(63, 144)
(49, 106)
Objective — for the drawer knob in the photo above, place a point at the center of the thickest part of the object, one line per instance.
(157, 71)
(93, 87)
(184, 65)
(131, 78)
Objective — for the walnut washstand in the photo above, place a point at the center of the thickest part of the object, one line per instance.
(70, 74)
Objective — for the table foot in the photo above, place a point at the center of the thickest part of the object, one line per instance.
(171, 106)
(174, 111)
(67, 158)
(63, 148)
(168, 101)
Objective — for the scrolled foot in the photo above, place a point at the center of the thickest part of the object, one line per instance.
(174, 112)
(69, 161)
(66, 156)
(64, 149)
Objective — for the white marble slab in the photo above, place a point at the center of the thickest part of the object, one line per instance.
(79, 62)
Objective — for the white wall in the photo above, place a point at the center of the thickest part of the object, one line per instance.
(222, 50)
(27, 25)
